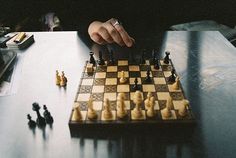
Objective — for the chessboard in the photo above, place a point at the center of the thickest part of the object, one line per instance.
(102, 84)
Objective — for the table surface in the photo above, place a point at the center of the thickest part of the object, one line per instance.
(204, 60)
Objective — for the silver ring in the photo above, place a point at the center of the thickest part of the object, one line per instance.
(116, 23)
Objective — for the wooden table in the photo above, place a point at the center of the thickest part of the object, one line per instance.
(204, 60)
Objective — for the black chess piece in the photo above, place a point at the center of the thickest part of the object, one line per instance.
(167, 58)
(172, 77)
(92, 60)
(100, 60)
(40, 120)
(156, 64)
(148, 78)
(111, 60)
(31, 123)
(153, 56)
(142, 58)
(135, 87)
(47, 115)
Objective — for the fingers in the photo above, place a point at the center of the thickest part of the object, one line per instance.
(124, 35)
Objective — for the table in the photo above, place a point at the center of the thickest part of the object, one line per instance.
(204, 60)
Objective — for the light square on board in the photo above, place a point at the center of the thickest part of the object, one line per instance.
(171, 89)
(122, 62)
(110, 96)
(83, 97)
(133, 68)
(97, 105)
(148, 88)
(100, 75)
(159, 80)
(131, 80)
(167, 73)
(87, 82)
(144, 73)
(111, 81)
(163, 95)
(98, 89)
(111, 68)
(123, 88)
(177, 104)
(126, 73)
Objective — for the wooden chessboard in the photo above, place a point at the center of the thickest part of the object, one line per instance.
(104, 83)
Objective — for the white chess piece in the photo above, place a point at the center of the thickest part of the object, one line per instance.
(107, 113)
(121, 111)
(77, 116)
(151, 112)
(91, 112)
(167, 110)
(176, 85)
(137, 112)
(122, 77)
(147, 101)
(183, 108)
(58, 78)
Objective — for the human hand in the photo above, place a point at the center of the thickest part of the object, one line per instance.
(109, 32)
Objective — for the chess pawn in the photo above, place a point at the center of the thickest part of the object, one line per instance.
(183, 108)
(151, 112)
(121, 112)
(63, 79)
(122, 77)
(137, 112)
(167, 110)
(91, 112)
(107, 114)
(176, 85)
(147, 101)
(58, 78)
(77, 116)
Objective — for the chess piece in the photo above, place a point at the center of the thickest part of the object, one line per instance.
(40, 120)
(142, 59)
(151, 112)
(58, 78)
(63, 82)
(176, 85)
(167, 58)
(92, 60)
(107, 113)
(183, 108)
(167, 109)
(31, 123)
(111, 60)
(153, 56)
(136, 87)
(121, 111)
(172, 77)
(147, 101)
(137, 112)
(76, 116)
(100, 60)
(89, 68)
(91, 112)
(156, 64)
(148, 78)
(47, 115)
(122, 77)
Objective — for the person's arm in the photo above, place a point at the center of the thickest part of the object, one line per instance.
(110, 31)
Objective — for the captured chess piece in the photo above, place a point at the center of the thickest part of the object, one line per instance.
(92, 115)
(121, 111)
(176, 85)
(40, 120)
(76, 115)
(167, 58)
(147, 101)
(31, 123)
(172, 77)
(167, 109)
(142, 58)
(136, 87)
(92, 60)
(137, 111)
(122, 77)
(183, 108)
(107, 113)
(151, 112)
(47, 115)
(58, 78)
(63, 82)
(100, 60)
